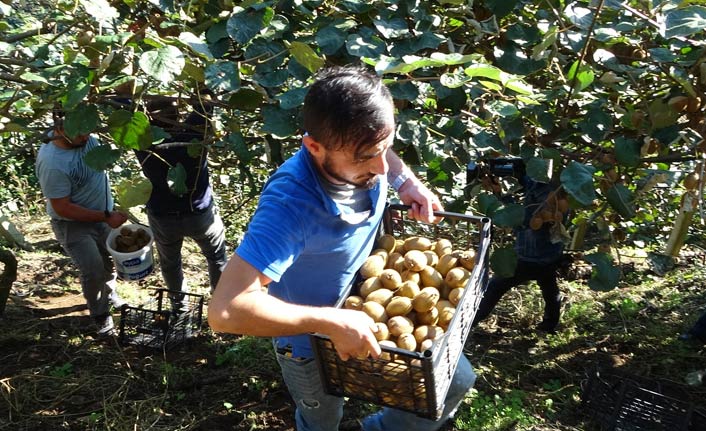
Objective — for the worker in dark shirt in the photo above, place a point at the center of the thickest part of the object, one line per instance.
(181, 204)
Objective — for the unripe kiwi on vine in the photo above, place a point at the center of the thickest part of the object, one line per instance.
(678, 103)
(547, 215)
(693, 104)
(691, 181)
(84, 38)
(536, 222)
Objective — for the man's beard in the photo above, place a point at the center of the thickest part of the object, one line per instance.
(327, 167)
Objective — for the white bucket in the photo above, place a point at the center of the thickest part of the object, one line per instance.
(135, 265)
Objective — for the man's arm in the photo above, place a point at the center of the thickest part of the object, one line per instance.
(412, 192)
(68, 209)
(241, 305)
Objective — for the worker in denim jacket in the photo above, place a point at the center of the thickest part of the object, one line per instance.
(538, 259)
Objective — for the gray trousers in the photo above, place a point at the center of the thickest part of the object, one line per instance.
(206, 229)
(85, 244)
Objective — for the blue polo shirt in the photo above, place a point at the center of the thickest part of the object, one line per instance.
(299, 239)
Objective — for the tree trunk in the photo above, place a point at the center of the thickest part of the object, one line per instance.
(681, 225)
(8, 276)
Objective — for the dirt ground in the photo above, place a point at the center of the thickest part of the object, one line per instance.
(55, 375)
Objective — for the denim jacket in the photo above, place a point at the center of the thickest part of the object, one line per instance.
(536, 245)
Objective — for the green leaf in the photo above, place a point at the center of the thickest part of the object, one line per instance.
(627, 151)
(101, 157)
(134, 191)
(163, 64)
(222, 76)
(279, 122)
(78, 89)
(500, 8)
(583, 74)
(685, 21)
(509, 215)
(620, 198)
(176, 180)
(245, 25)
(246, 99)
(577, 180)
(392, 29)
(236, 143)
(81, 121)
(539, 169)
(29, 76)
(488, 203)
(365, 44)
(100, 10)
(292, 98)
(306, 56)
(197, 44)
(404, 90)
(510, 81)
(605, 275)
(503, 262)
(502, 108)
(331, 38)
(596, 123)
(130, 131)
(660, 114)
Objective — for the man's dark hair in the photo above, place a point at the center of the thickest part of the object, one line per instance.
(57, 117)
(348, 107)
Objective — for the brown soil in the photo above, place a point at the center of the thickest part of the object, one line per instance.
(55, 375)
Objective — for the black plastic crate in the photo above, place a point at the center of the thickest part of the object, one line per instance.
(155, 325)
(413, 381)
(617, 401)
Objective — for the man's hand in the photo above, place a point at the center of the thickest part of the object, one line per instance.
(352, 334)
(116, 218)
(421, 200)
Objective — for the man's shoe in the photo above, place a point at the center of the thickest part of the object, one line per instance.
(105, 325)
(548, 327)
(117, 302)
(688, 337)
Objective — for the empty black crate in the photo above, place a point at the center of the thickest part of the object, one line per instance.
(401, 379)
(617, 401)
(155, 325)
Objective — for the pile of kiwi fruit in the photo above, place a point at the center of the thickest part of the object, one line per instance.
(411, 288)
(129, 240)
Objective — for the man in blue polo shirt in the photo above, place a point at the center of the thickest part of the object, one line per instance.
(315, 224)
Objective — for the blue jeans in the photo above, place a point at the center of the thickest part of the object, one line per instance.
(317, 411)
(85, 244)
(206, 229)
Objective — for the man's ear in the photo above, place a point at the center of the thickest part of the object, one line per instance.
(312, 145)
